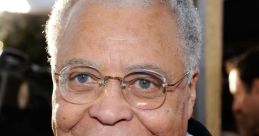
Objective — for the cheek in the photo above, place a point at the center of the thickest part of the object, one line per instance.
(170, 119)
(65, 115)
(251, 106)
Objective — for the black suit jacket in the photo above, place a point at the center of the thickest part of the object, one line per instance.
(195, 128)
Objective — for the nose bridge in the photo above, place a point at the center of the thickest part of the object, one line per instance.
(111, 107)
(107, 78)
(113, 88)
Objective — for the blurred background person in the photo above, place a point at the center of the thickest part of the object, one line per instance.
(25, 83)
(240, 33)
(244, 85)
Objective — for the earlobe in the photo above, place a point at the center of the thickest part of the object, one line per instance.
(192, 89)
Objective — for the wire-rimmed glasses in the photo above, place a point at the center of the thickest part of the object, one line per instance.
(144, 89)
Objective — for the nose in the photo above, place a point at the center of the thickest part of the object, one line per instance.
(111, 108)
(236, 106)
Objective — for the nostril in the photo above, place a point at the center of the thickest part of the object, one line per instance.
(110, 113)
(108, 122)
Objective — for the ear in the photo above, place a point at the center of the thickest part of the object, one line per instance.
(192, 88)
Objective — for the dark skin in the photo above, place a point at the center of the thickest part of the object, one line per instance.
(115, 42)
(245, 106)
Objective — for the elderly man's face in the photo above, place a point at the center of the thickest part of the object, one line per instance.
(116, 41)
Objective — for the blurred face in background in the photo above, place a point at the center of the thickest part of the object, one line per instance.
(245, 105)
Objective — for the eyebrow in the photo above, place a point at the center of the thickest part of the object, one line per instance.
(149, 67)
(78, 61)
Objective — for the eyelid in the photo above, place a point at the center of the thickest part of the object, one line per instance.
(75, 73)
(76, 66)
(93, 76)
(75, 62)
(148, 71)
(149, 67)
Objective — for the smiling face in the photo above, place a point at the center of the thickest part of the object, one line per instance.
(116, 41)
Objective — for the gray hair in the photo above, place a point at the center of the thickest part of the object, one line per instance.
(187, 20)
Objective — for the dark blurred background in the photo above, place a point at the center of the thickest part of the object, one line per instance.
(25, 81)
(240, 33)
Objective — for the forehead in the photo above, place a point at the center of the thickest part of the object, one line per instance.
(118, 22)
(108, 29)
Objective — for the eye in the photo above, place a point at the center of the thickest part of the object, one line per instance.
(146, 84)
(81, 78)
(143, 83)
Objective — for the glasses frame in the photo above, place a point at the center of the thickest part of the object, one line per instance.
(103, 80)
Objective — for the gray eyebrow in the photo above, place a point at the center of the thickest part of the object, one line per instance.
(148, 67)
(77, 61)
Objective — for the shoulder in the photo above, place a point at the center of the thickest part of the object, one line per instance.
(195, 128)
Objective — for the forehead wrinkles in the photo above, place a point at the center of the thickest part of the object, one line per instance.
(91, 17)
(150, 23)
(94, 20)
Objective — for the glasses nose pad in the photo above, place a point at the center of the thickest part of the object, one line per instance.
(123, 85)
(102, 82)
